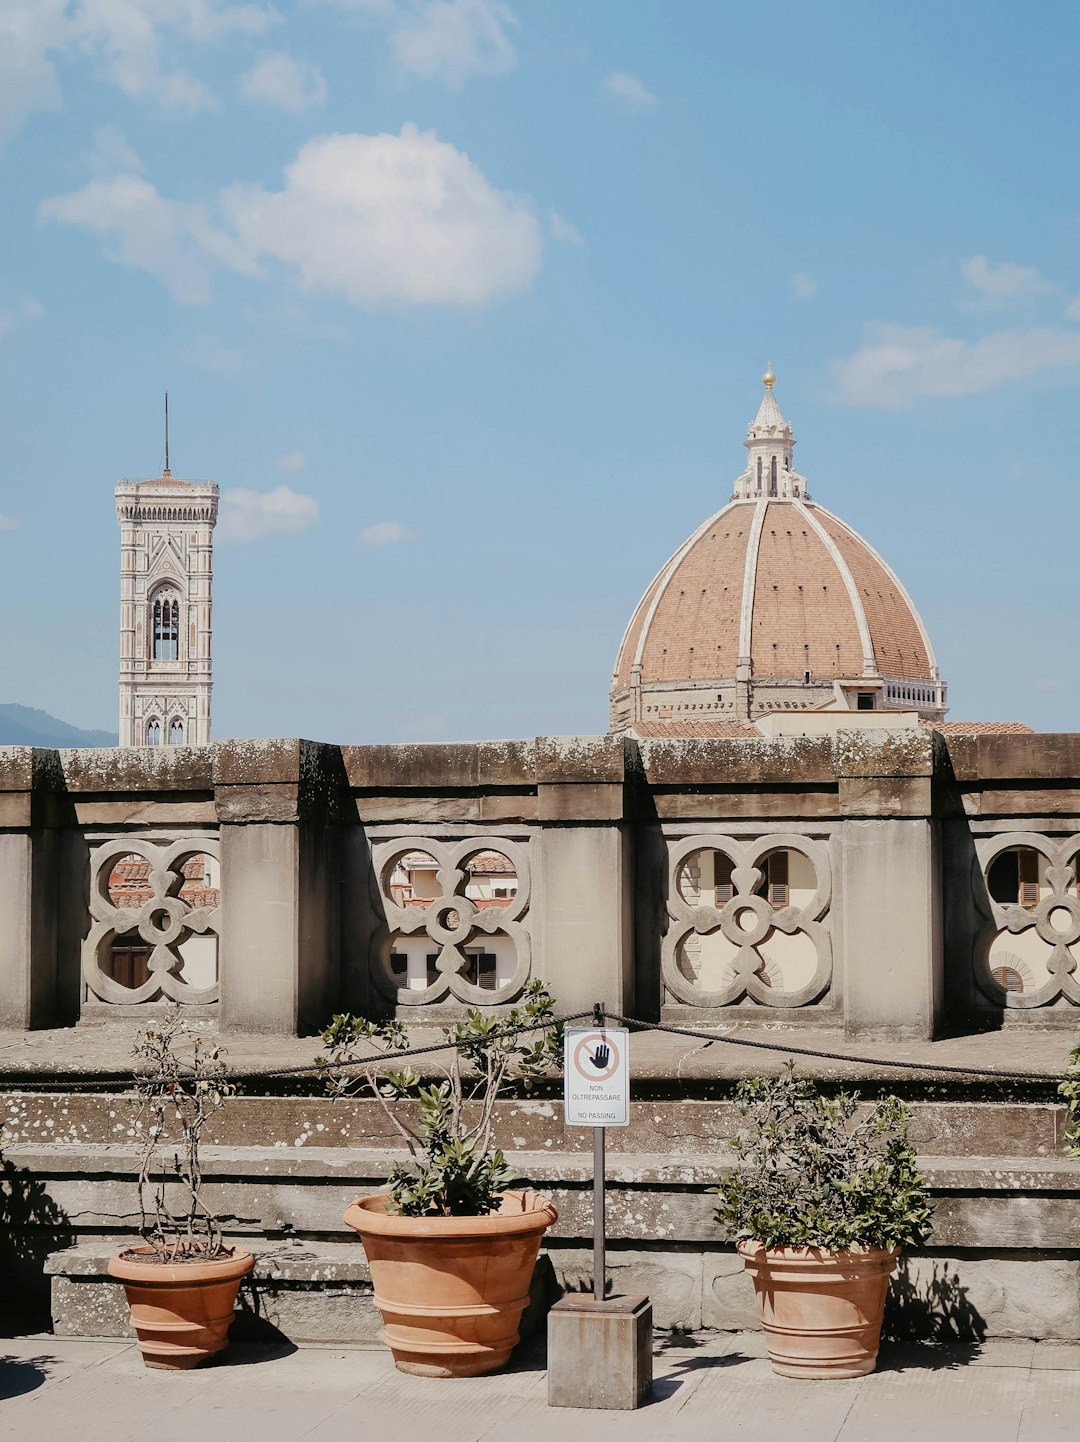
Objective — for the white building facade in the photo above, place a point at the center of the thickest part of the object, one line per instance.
(166, 586)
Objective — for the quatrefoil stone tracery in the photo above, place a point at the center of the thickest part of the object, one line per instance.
(164, 937)
(749, 964)
(452, 920)
(1010, 918)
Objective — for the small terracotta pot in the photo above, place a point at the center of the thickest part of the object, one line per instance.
(181, 1311)
(451, 1290)
(821, 1311)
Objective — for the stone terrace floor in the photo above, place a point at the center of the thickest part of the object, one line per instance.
(105, 1047)
(53, 1388)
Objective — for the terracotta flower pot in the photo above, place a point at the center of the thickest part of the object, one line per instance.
(451, 1290)
(181, 1311)
(821, 1311)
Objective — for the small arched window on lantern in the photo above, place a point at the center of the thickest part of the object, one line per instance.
(772, 478)
(176, 732)
(166, 626)
(153, 732)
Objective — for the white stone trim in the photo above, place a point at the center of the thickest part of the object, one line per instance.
(870, 666)
(895, 579)
(746, 612)
(664, 576)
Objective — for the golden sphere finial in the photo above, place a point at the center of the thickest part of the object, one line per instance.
(768, 378)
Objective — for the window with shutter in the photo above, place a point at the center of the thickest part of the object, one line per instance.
(777, 870)
(1028, 866)
(723, 866)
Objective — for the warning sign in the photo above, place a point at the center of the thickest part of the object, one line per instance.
(596, 1076)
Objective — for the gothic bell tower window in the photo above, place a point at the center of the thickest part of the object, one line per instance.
(176, 732)
(153, 733)
(166, 627)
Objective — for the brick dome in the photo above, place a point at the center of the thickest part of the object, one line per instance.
(773, 604)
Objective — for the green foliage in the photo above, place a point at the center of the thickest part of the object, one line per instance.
(180, 1084)
(454, 1170)
(1070, 1090)
(817, 1171)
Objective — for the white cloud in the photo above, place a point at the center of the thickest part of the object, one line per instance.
(379, 219)
(290, 84)
(251, 515)
(561, 229)
(391, 219)
(30, 31)
(293, 461)
(1072, 310)
(629, 89)
(1004, 281)
(453, 40)
(23, 309)
(208, 353)
(9, 523)
(175, 241)
(127, 42)
(804, 286)
(112, 155)
(1049, 684)
(385, 533)
(906, 363)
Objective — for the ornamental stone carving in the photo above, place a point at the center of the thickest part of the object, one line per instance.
(1050, 912)
(748, 920)
(162, 920)
(449, 921)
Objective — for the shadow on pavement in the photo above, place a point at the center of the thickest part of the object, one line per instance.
(22, 1374)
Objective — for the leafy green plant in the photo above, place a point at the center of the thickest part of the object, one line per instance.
(455, 1171)
(1070, 1090)
(819, 1171)
(180, 1084)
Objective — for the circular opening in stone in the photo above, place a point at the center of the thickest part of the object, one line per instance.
(160, 920)
(746, 919)
(1060, 918)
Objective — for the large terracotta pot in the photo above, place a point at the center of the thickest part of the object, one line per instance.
(451, 1290)
(821, 1311)
(181, 1311)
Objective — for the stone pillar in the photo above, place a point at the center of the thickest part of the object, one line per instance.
(278, 806)
(891, 929)
(585, 869)
(29, 898)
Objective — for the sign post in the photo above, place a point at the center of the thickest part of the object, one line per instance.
(599, 1347)
(596, 1093)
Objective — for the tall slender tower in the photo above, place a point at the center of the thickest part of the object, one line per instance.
(166, 579)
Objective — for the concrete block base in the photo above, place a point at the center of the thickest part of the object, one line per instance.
(600, 1352)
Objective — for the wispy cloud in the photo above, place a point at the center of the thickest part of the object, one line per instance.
(385, 533)
(208, 353)
(903, 364)
(426, 728)
(382, 220)
(629, 89)
(20, 311)
(292, 461)
(804, 287)
(1004, 281)
(252, 515)
(9, 523)
(453, 40)
(283, 81)
(561, 229)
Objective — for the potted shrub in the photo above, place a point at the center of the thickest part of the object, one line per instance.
(451, 1245)
(825, 1195)
(181, 1283)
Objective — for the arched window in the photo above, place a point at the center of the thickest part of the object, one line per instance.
(176, 732)
(772, 478)
(166, 627)
(759, 473)
(153, 733)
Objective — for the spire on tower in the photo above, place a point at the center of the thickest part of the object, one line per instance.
(770, 472)
(166, 471)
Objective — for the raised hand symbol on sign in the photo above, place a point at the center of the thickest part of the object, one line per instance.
(601, 1056)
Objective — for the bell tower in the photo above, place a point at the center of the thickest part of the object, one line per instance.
(166, 582)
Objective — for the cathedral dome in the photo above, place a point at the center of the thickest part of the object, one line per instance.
(773, 604)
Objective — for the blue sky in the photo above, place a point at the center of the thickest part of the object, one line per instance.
(464, 306)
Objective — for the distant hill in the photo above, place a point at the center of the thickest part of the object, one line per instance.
(23, 726)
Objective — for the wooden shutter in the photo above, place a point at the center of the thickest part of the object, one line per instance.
(723, 866)
(778, 879)
(1027, 865)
